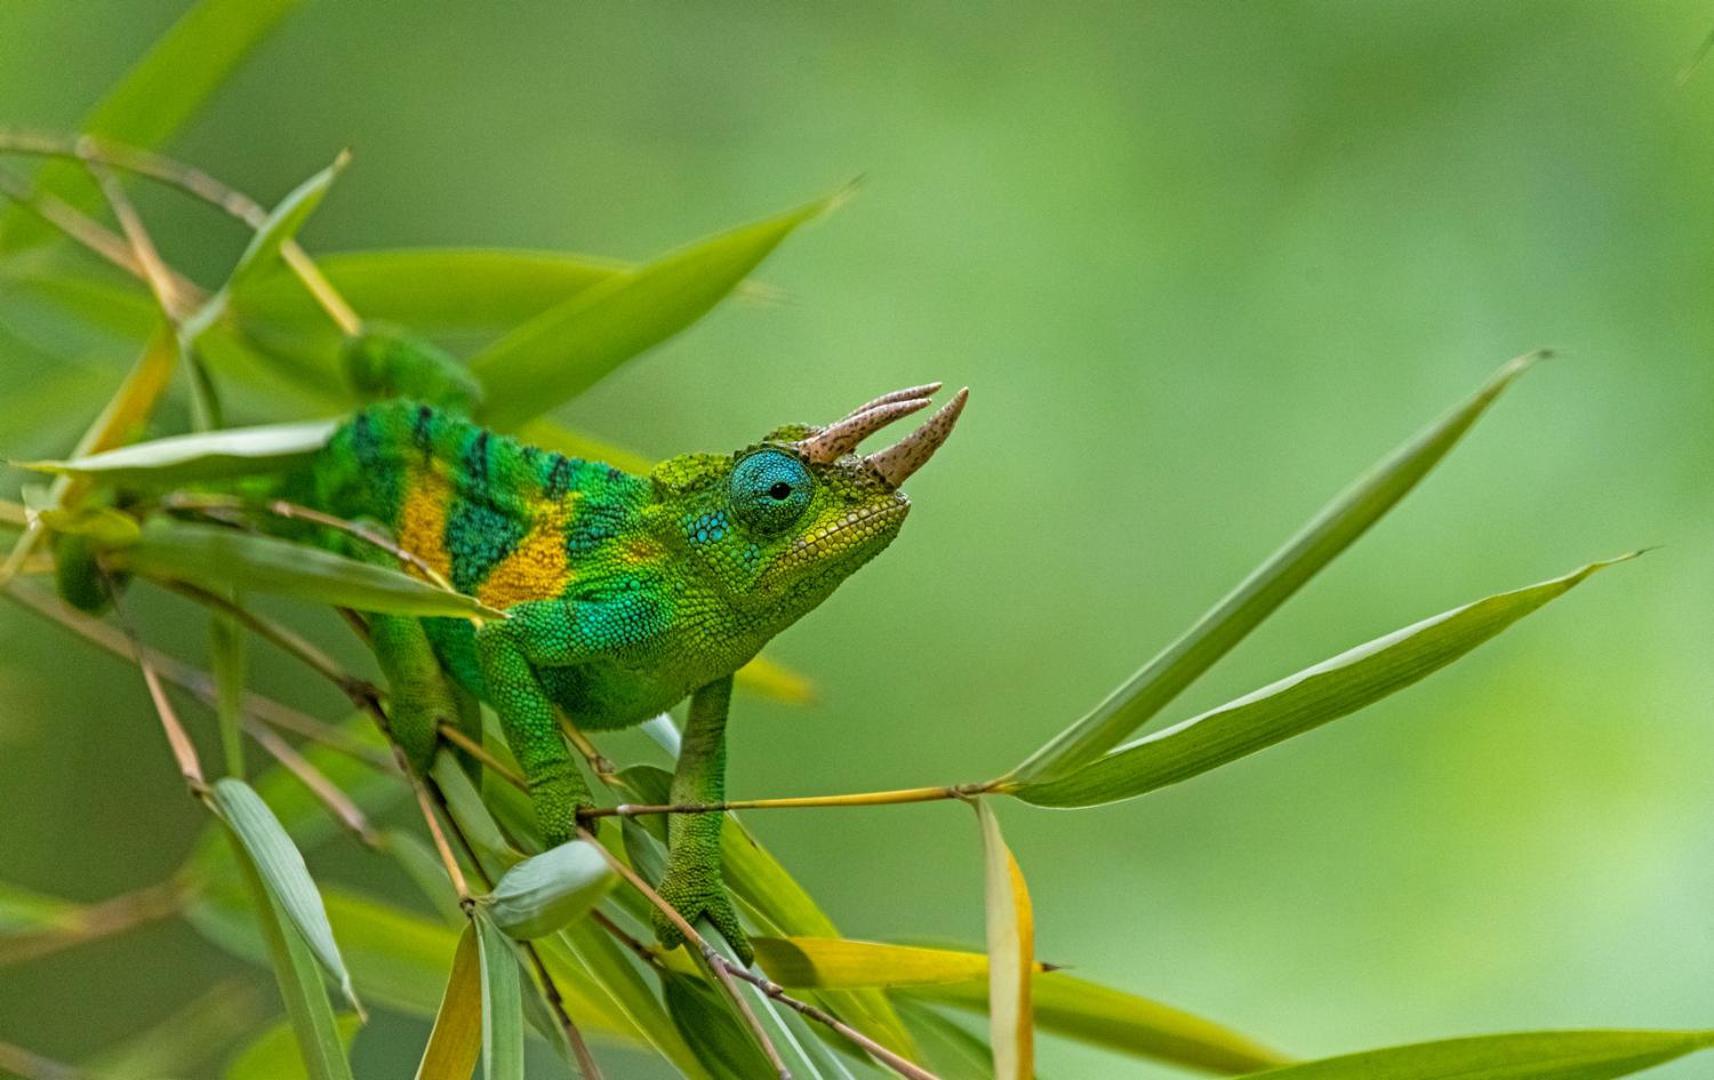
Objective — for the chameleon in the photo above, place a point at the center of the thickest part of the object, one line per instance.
(624, 594)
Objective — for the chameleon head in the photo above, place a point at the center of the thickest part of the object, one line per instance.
(780, 524)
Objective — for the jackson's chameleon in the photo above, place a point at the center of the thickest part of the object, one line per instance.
(625, 593)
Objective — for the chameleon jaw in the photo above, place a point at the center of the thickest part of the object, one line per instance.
(896, 463)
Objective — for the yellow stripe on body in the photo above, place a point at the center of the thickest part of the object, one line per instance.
(422, 520)
(538, 569)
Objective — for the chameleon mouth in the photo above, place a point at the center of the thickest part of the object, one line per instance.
(858, 533)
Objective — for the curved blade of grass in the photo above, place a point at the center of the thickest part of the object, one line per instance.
(1542, 1055)
(705, 1021)
(199, 457)
(1333, 688)
(455, 1043)
(307, 1007)
(219, 558)
(155, 98)
(631, 993)
(271, 1055)
(502, 1003)
(1328, 534)
(568, 348)
(1011, 954)
(282, 871)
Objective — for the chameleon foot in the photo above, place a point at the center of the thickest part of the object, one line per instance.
(695, 893)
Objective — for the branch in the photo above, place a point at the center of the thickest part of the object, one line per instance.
(726, 971)
(862, 798)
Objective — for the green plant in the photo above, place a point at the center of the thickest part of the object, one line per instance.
(538, 943)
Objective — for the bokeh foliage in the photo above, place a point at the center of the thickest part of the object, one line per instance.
(1335, 238)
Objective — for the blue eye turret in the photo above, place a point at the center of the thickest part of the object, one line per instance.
(771, 489)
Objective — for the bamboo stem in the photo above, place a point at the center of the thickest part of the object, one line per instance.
(862, 798)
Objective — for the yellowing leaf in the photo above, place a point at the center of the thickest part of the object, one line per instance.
(1011, 955)
(456, 1040)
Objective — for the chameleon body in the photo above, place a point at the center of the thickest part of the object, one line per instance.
(625, 594)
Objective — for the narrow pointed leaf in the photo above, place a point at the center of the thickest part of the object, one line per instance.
(1546, 1055)
(568, 348)
(200, 457)
(423, 866)
(545, 892)
(705, 1021)
(282, 870)
(502, 1004)
(272, 1054)
(455, 1043)
(630, 991)
(1329, 533)
(308, 1010)
(219, 558)
(1102, 1016)
(155, 98)
(1299, 703)
(283, 224)
(1011, 954)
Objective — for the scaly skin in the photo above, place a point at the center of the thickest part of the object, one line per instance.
(625, 594)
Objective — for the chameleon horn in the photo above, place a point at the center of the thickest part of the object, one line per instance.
(897, 462)
(843, 436)
(927, 390)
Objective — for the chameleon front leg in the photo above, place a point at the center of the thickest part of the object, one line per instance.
(693, 883)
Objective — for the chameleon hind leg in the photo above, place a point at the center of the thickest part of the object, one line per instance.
(421, 695)
(693, 882)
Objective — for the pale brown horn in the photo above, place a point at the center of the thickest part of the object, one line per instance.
(896, 463)
(845, 435)
(927, 390)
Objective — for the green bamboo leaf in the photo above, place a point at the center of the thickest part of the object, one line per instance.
(220, 558)
(455, 1043)
(1333, 688)
(155, 98)
(547, 891)
(1011, 954)
(1329, 533)
(273, 1055)
(952, 1051)
(502, 1003)
(200, 457)
(398, 958)
(1544, 1055)
(779, 901)
(619, 973)
(279, 228)
(1102, 1016)
(282, 870)
(283, 224)
(308, 1010)
(191, 1038)
(24, 909)
(473, 817)
(568, 348)
(427, 873)
(705, 1021)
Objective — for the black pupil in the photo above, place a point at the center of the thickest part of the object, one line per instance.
(780, 490)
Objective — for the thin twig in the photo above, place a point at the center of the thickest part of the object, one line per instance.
(281, 508)
(201, 185)
(143, 250)
(105, 919)
(199, 683)
(862, 798)
(453, 871)
(339, 804)
(727, 971)
(476, 750)
(184, 751)
(716, 963)
(284, 639)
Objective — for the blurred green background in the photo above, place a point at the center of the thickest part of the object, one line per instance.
(1200, 263)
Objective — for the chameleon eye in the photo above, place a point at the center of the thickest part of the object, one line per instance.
(770, 489)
